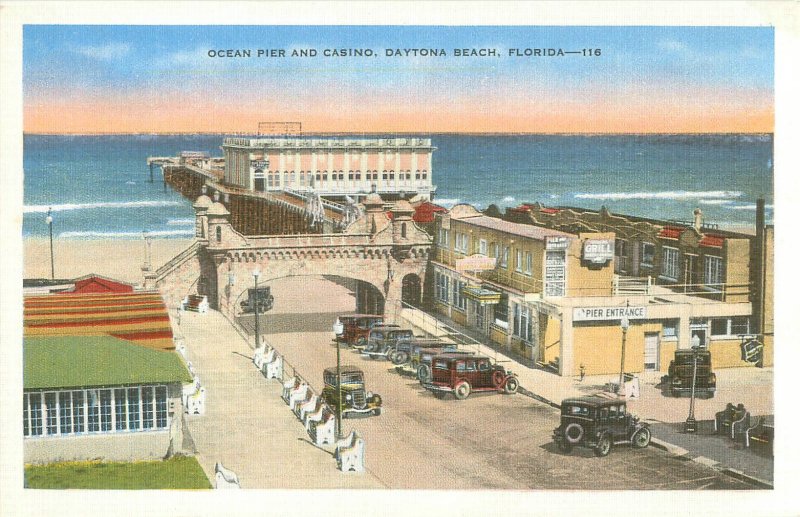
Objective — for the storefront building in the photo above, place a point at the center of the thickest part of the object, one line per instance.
(556, 296)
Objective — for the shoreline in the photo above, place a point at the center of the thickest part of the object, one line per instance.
(120, 259)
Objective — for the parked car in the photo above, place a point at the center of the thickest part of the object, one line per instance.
(679, 375)
(356, 328)
(405, 349)
(461, 375)
(424, 358)
(355, 398)
(598, 423)
(261, 296)
(383, 339)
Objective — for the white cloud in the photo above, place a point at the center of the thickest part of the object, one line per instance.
(105, 52)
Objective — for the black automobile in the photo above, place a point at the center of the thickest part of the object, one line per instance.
(599, 423)
(383, 339)
(260, 296)
(682, 370)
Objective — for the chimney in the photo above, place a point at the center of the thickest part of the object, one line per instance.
(698, 219)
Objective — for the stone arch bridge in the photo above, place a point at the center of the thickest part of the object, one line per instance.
(384, 257)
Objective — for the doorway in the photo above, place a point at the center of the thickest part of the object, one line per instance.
(651, 351)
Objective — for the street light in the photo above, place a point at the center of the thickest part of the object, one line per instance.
(256, 274)
(690, 425)
(338, 329)
(49, 221)
(625, 324)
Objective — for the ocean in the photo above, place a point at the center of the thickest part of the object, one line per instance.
(97, 186)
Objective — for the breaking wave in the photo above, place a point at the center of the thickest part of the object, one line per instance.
(125, 235)
(32, 209)
(714, 201)
(668, 194)
(181, 222)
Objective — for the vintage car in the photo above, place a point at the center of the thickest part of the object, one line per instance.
(598, 423)
(261, 296)
(383, 339)
(461, 375)
(356, 328)
(355, 398)
(406, 349)
(679, 375)
(421, 358)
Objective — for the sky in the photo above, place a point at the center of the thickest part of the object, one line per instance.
(162, 79)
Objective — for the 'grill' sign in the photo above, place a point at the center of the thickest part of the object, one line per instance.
(598, 251)
(608, 313)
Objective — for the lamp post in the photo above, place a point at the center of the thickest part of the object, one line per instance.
(49, 220)
(338, 329)
(690, 426)
(256, 274)
(625, 324)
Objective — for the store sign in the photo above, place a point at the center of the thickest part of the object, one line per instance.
(259, 164)
(598, 251)
(608, 313)
(556, 243)
(476, 263)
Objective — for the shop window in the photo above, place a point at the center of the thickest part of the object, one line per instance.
(727, 327)
(669, 263)
(669, 329)
(459, 300)
(501, 311)
(522, 322)
(713, 272)
(648, 254)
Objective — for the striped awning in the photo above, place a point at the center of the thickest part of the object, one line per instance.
(481, 294)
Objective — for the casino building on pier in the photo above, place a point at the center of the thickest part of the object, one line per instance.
(333, 167)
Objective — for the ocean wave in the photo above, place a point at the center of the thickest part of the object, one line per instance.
(668, 194)
(508, 199)
(181, 222)
(130, 183)
(124, 235)
(714, 201)
(749, 206)
(448, 202)
(33, 209)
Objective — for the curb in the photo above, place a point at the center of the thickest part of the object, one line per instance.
(679, 452)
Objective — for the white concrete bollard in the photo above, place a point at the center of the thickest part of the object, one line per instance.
(225, 478)
(350, 453)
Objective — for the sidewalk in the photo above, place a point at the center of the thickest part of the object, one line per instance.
(666, 414)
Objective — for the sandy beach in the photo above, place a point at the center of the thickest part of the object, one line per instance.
(118, 259)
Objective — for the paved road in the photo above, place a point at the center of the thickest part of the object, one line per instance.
(489, 441)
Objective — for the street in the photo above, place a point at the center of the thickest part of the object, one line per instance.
(489, 441)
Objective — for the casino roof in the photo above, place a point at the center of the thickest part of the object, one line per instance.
(88, 361)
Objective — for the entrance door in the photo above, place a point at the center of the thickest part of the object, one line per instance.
(651, 351)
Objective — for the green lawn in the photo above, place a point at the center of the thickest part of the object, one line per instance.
(177, 472)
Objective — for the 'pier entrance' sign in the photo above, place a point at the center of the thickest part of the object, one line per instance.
(608, 313)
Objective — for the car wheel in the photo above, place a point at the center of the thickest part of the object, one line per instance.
(371, 347)
(462, 390)
(512, 385)
(564, 446)
(497, 378)
(400, 357)
(439, 394)
(603, 446)
(641, 438)
(423, 373)
(376, 411)
(361, 341)
(573, 433)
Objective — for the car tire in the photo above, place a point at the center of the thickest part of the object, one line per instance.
(641, 438)
(376, 411)
(497, 378)
(462, 390)
(564, 446)
(603, 447)
(573, 433)
(400, 357)
(361, 341)
(511, 386)
(423, 373)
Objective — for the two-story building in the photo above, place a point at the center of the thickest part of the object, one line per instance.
(553, 296)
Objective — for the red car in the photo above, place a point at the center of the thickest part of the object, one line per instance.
(356, 327)
(462, 375)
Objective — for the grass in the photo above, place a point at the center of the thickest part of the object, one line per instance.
(179, 472)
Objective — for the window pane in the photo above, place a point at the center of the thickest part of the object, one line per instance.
(147, 407)
(65, 410)
(52, 414)
(105, 410)
(670, 328)
(120, 410)
(36, 413)
(161, 407)
(78, 411)
(740, 325)
(133, 409)
(25, 430)
(719, 327)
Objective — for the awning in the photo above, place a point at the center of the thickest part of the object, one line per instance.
(481, 295)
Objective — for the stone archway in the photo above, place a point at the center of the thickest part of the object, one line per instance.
(412, 290)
